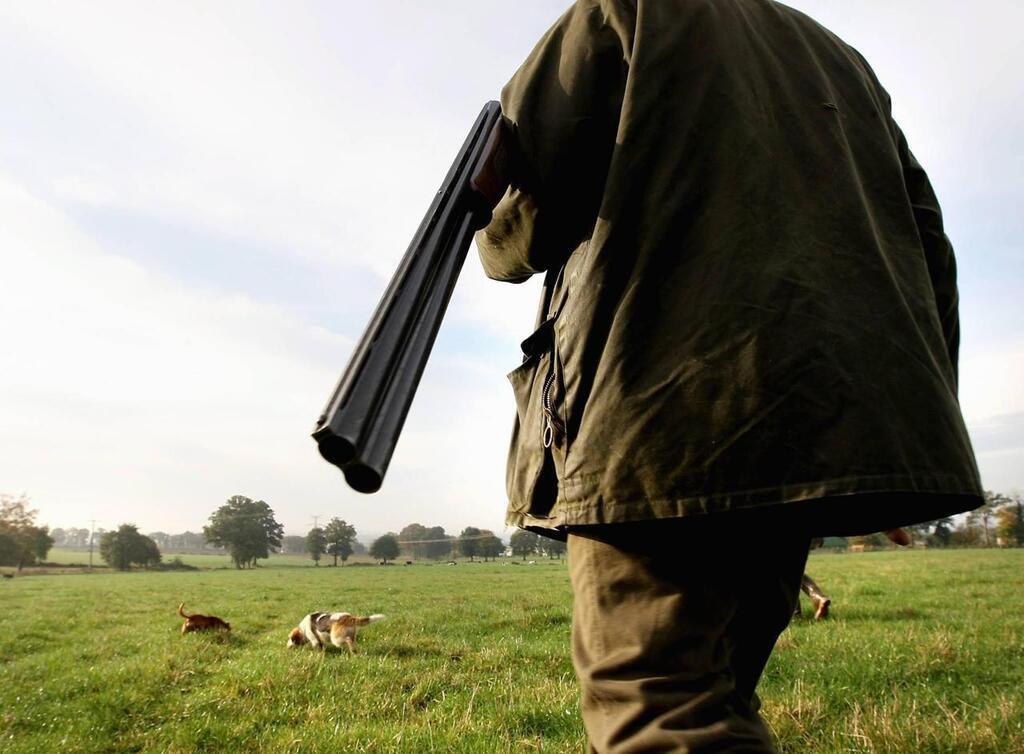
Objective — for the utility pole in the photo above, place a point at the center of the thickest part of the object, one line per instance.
(315, 519)
(92, 529)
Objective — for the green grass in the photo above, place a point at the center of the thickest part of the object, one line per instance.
(924, 654)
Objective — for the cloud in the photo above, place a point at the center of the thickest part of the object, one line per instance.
(992, 380)
(143, 392)
(121, 387)
(220, 124)
(130, 397)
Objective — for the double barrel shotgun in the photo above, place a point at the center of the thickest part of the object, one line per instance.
(359, 427)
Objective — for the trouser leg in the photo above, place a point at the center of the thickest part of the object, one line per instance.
(671, 632)
(765, 610)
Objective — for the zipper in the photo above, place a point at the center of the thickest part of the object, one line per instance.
(552, 424)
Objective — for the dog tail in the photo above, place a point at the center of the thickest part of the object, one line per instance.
(181, 611)
(358, 620)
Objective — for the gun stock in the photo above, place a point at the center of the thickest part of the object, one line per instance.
(360, 426)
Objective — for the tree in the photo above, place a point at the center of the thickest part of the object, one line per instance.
(1010, 523)
(247, 528)
(919, 531)
(553, 548)
(875, 540)
(293, 544)
(418, 541)
(126, 547)
(412, 540)
(469, 542)
(82, 536)
(187, 540)
(489, 546)
(439, 544)
(41, 543)
(72, 537)
(316, 544)
(968, 533)
(162, 539)
(385, 548)
(21, 541)
(942, 532)
(524, 543)
(340, 537)
(982, 516)
(9, 549)
(150, 552)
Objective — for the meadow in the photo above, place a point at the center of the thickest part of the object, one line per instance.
(924, 652)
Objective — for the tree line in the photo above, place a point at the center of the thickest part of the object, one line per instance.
(526, 543)
(79, 538)
(22, 541)
(247, 531)
(416, 541)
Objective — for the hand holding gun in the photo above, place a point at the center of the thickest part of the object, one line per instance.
(359, 427)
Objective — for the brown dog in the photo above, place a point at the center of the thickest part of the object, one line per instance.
(196, 622)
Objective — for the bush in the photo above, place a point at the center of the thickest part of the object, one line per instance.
(175, 564)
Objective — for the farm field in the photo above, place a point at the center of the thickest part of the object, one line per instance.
(924, 653)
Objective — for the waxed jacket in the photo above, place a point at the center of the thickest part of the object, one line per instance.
(750, 296)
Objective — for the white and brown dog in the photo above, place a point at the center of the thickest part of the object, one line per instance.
(338, 628)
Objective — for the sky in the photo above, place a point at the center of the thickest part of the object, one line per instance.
(200, 204)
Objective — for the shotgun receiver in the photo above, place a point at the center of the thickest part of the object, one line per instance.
(359, 427)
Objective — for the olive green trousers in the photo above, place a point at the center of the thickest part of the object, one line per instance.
(673, 623)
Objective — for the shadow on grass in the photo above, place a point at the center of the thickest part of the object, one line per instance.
(544, 724)
(406, 651)
(544, 621)
(895, 615)
(215, 638)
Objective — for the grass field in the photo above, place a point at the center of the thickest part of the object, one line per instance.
(925, 653)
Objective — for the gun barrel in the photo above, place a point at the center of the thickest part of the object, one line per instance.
(359, 428)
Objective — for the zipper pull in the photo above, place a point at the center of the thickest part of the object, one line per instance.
(549, 432)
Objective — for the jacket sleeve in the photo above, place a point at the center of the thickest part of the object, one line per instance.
(561, 110)
(937, 248)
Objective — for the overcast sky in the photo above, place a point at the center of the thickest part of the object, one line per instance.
(200, 204)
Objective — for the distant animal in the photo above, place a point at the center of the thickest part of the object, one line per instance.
(196, 622)
(338, 628)
(8, 575)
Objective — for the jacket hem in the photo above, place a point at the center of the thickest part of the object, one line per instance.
(599, 509)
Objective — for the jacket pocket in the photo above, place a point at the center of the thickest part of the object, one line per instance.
(530, 479)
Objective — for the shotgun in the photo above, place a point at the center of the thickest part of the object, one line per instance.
(359, 427)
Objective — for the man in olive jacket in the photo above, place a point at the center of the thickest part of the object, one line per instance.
(748, 336)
